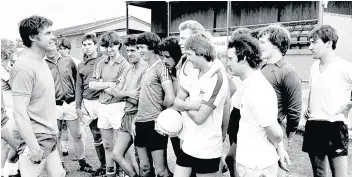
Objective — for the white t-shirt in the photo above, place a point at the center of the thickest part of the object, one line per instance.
(258, 110)
(186, 79)
(330, 90)
(205, 141)
(236, 97)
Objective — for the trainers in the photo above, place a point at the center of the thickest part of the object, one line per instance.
(224, 169)
(65, 153)
(100, 171)
(86, 168)
(16, 175)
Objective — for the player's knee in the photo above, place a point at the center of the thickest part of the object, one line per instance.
(108, 146)
(118, 155)
(77, 137)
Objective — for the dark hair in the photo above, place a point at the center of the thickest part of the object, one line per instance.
(131, 40)
(255, 33)
(201, 46)
(90, 36)
(326, 33)
(32, 26)
(150, 39)
(247, 48)
(278, 36)
(170, 44)
(65, 43)
(110, 39)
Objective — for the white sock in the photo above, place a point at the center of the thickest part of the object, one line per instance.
(64, 146)
(2, 172)
(12, 168)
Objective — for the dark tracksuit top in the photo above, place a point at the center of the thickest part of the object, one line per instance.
(64, 72)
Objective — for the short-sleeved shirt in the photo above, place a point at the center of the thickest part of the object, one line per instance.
(133, 82)
(151, 96)
(205, 141)
(258, 110)
(31, 77)
(110, 73)
(330, 90)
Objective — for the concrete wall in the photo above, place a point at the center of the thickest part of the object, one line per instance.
(343, 25)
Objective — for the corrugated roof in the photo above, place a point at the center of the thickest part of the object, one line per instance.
(80, 29)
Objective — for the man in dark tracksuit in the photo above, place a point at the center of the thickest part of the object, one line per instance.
(64, 72)
(87, 100)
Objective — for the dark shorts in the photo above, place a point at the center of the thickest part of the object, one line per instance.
(47, 142)
(326, 138)
(147, 137)
(127, 121)
(200, 166)
(234, 125)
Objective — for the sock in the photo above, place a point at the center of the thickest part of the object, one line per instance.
(64, 146)
(110, 170)
(82, 162)
(12, 168)
(2, 172)
(99, 148)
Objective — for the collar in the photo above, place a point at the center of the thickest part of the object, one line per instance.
(118, 61)
(213, 69)
(155, 63)
(252, 77)
(47, 59)
(86, 58)
(280, 63)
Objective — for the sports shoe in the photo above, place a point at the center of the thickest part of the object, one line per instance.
(100, 171)
(16, 175)
(86, 168)
(65, 153)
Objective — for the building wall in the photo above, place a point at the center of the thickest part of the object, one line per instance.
(76, 49)
(343, 25)
(76, 40)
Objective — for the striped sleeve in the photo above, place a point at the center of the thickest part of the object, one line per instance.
(163, 74)
(212, 91)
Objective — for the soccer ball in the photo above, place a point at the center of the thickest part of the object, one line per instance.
(169, 122)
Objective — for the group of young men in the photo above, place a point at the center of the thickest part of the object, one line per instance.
(120, 99)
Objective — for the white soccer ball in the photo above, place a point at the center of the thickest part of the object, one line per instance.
(169, 122)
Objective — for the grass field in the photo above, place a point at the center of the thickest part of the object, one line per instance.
(300, 166)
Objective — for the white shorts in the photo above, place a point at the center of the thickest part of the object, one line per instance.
(90, 110)
(270, 171)
(66, 111)
(110, 115)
